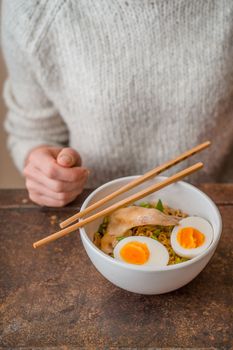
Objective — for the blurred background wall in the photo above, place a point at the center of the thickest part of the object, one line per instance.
(9, 176)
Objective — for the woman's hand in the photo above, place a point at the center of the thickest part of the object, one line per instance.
(54, 176)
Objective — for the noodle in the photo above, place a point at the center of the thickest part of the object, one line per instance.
(159, 233)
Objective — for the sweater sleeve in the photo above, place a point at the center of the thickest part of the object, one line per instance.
(32, 119)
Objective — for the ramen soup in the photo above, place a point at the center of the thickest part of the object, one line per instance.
(153, 234)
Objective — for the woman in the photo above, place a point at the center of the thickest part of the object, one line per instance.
(126, 84)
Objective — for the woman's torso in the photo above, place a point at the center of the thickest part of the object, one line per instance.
(138, 82)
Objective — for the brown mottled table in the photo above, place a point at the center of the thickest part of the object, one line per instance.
(54, 298)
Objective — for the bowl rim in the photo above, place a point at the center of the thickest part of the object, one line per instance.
(139, 268)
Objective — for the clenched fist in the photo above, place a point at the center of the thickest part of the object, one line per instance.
(54, 176)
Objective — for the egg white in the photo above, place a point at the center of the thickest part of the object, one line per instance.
(158, 253)
(199, 224)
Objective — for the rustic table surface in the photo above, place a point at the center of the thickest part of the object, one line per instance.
(53, 297)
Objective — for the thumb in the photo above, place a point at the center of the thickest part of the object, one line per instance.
(68, 158)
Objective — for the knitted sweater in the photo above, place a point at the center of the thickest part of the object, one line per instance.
(129, 84)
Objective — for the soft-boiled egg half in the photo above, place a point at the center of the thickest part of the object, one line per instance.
(191, 237)
(140, 250)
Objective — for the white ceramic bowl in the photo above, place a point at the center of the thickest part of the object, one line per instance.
(148, 280)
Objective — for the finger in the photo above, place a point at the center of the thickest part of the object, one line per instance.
(65, 197)
(49, 167)
(68, 157)
(43, 152)
(43, 200)
(32, 173)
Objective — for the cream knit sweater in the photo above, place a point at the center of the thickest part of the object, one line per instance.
(128, 84)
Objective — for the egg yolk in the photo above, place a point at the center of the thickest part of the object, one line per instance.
(135, 253)
(189, 237)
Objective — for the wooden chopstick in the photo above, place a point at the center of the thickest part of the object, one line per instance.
(155, 187)
(150, 174)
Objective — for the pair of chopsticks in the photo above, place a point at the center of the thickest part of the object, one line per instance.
(131, 199)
